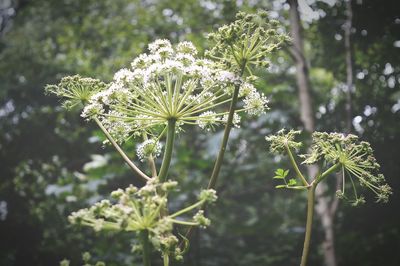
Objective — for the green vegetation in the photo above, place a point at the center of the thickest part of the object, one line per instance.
(54, 163)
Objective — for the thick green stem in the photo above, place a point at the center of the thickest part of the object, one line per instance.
(310, 214)
(144, 237)
(134, 168)
(166, 259)
(296, 168)
(329, 171)
(168, 150)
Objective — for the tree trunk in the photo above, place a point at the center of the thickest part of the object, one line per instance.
(323, 209)
(349, 64)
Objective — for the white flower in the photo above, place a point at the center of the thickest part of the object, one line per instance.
(235, 121)
(207, 120)
(123, 76)
(165, 52)
(92, 109)
(150, 147)
(186, 48)
(255, 103)
(246, 89)
(155, 46)
(226, 76)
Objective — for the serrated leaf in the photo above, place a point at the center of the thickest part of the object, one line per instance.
(278, 177)
(279, 172)
(286, 173)
(292, 182)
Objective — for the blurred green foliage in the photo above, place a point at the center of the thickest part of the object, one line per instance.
(52, 163)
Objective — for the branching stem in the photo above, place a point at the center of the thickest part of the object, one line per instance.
(228, 127)
(310, 214)
(134, 168)
(296, 168)
(310, 210)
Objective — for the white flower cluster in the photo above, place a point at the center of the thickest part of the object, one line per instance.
(170, 83)
(150, 147)
(255, 103)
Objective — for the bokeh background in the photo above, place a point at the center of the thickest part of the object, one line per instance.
(52, 162)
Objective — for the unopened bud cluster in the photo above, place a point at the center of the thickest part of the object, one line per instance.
(135, 210)
(354, 160)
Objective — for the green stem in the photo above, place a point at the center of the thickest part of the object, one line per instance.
(184, 222)
(221, 153)
(166, 259)
(189, 208)
(134, 168)
(228, 127)
(329, 171)
(310, 214)
(296, 168)
(144, 237)
(168, 150)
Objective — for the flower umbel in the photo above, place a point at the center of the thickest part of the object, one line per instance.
(141, 209)
(356, 160)
(247, 41)
(76, 90)
(282, 140)
(170, 84)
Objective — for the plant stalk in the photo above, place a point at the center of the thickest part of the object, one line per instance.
(144, 237)
(166, 259)
(296, 168)
(168, 150)
(310, 215)
(131, 165)
(221, 153)
(227, 131)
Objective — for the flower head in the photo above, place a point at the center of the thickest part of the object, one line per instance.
(246, 41)
(356, 159)
(169, 83)
(283, 140)
(141, 209)
(150, 147)
(75, 90)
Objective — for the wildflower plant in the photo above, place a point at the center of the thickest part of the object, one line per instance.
(162, 92)
(336, 153)
(140, 211)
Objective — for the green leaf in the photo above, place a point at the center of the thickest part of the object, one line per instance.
(292, 182)
(286, 173)
(281, 173)
(280, 186)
